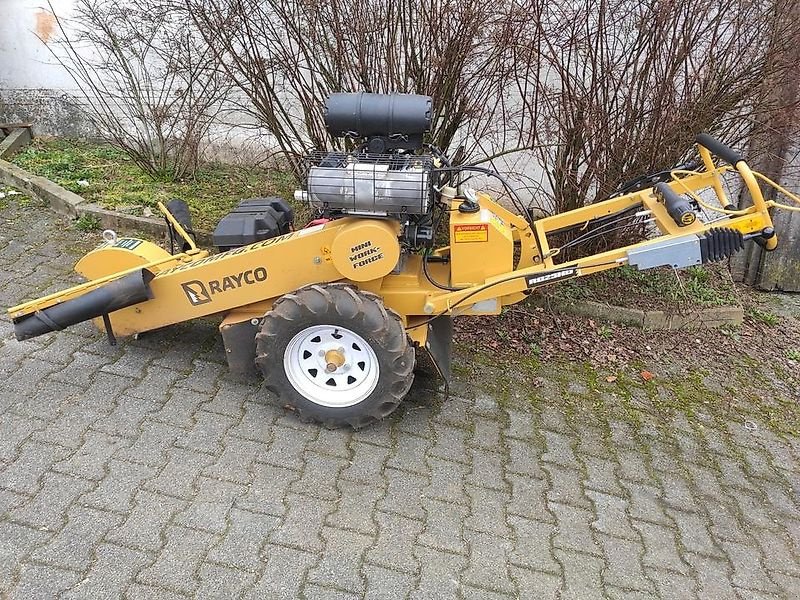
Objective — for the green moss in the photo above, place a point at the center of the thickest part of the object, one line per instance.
(87, 223)
(106, 176)
(749, 393)
(652, 288)
(763, 316)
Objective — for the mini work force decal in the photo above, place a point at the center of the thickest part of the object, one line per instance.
(199, 292)
(364, 253)
(478, 232)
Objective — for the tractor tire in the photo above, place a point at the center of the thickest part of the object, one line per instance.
(335, 355)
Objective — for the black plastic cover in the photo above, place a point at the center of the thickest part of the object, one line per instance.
(719, 243)
(123, 292)
(252, 221)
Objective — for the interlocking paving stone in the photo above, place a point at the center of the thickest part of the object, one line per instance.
(47, 509)
(24, 474)
(355, 507)
(144, 526)
(386, 584)
(340, 565)
(661, 550)
(623, 566)
(73, 546)
(268, 489)
(241, 545)
(439, 574)
(444, 526)
(145, 470)
(404, 492)
(284, 573)
(302, 523)
(222, 583)
(573, 530)
(367, 462)
(112, 572)
(210, 506)
(532, 546)
(612, 518)
(394, 545)
(177, 564)
(40, 581)
(115, 492)
(16, 542)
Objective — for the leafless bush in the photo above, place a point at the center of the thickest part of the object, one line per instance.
(288, 55)
(618, 88)
(148, 83)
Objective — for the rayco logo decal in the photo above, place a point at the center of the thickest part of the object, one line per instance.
(199, 292)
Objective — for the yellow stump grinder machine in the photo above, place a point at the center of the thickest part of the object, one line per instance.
(333, 312)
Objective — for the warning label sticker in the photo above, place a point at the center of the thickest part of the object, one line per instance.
(478, 232)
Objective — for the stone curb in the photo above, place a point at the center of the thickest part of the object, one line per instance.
(700, 318)
(72, 205)
(19, 137)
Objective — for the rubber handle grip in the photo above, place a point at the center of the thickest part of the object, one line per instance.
(677, 206)
(727, 154)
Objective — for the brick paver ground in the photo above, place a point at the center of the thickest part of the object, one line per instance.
(146, 471)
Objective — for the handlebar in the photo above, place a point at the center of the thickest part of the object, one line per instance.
(708, 144)
(714, 145)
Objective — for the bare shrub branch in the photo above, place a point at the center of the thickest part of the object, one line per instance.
(149, 84)
(622, 87)
(288, 55)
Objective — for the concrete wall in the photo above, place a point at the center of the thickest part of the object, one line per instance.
(33, 87)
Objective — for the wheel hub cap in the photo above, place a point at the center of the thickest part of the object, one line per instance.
(331, 366)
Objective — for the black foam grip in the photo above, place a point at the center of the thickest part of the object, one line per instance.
(716, 147)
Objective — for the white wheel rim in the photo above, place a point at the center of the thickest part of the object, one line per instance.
(331, 366)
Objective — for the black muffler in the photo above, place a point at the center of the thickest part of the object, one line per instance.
(99, 302)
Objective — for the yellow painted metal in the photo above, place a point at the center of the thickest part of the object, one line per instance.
(177, 226)
(481, 245)
(705, 155)
(366, 250)
(124, 254)
(242, 283)
(260, 271)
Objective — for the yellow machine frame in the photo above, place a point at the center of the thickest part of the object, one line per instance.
(241, 284)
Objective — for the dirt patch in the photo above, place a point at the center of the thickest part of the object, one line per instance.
(749, 371)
